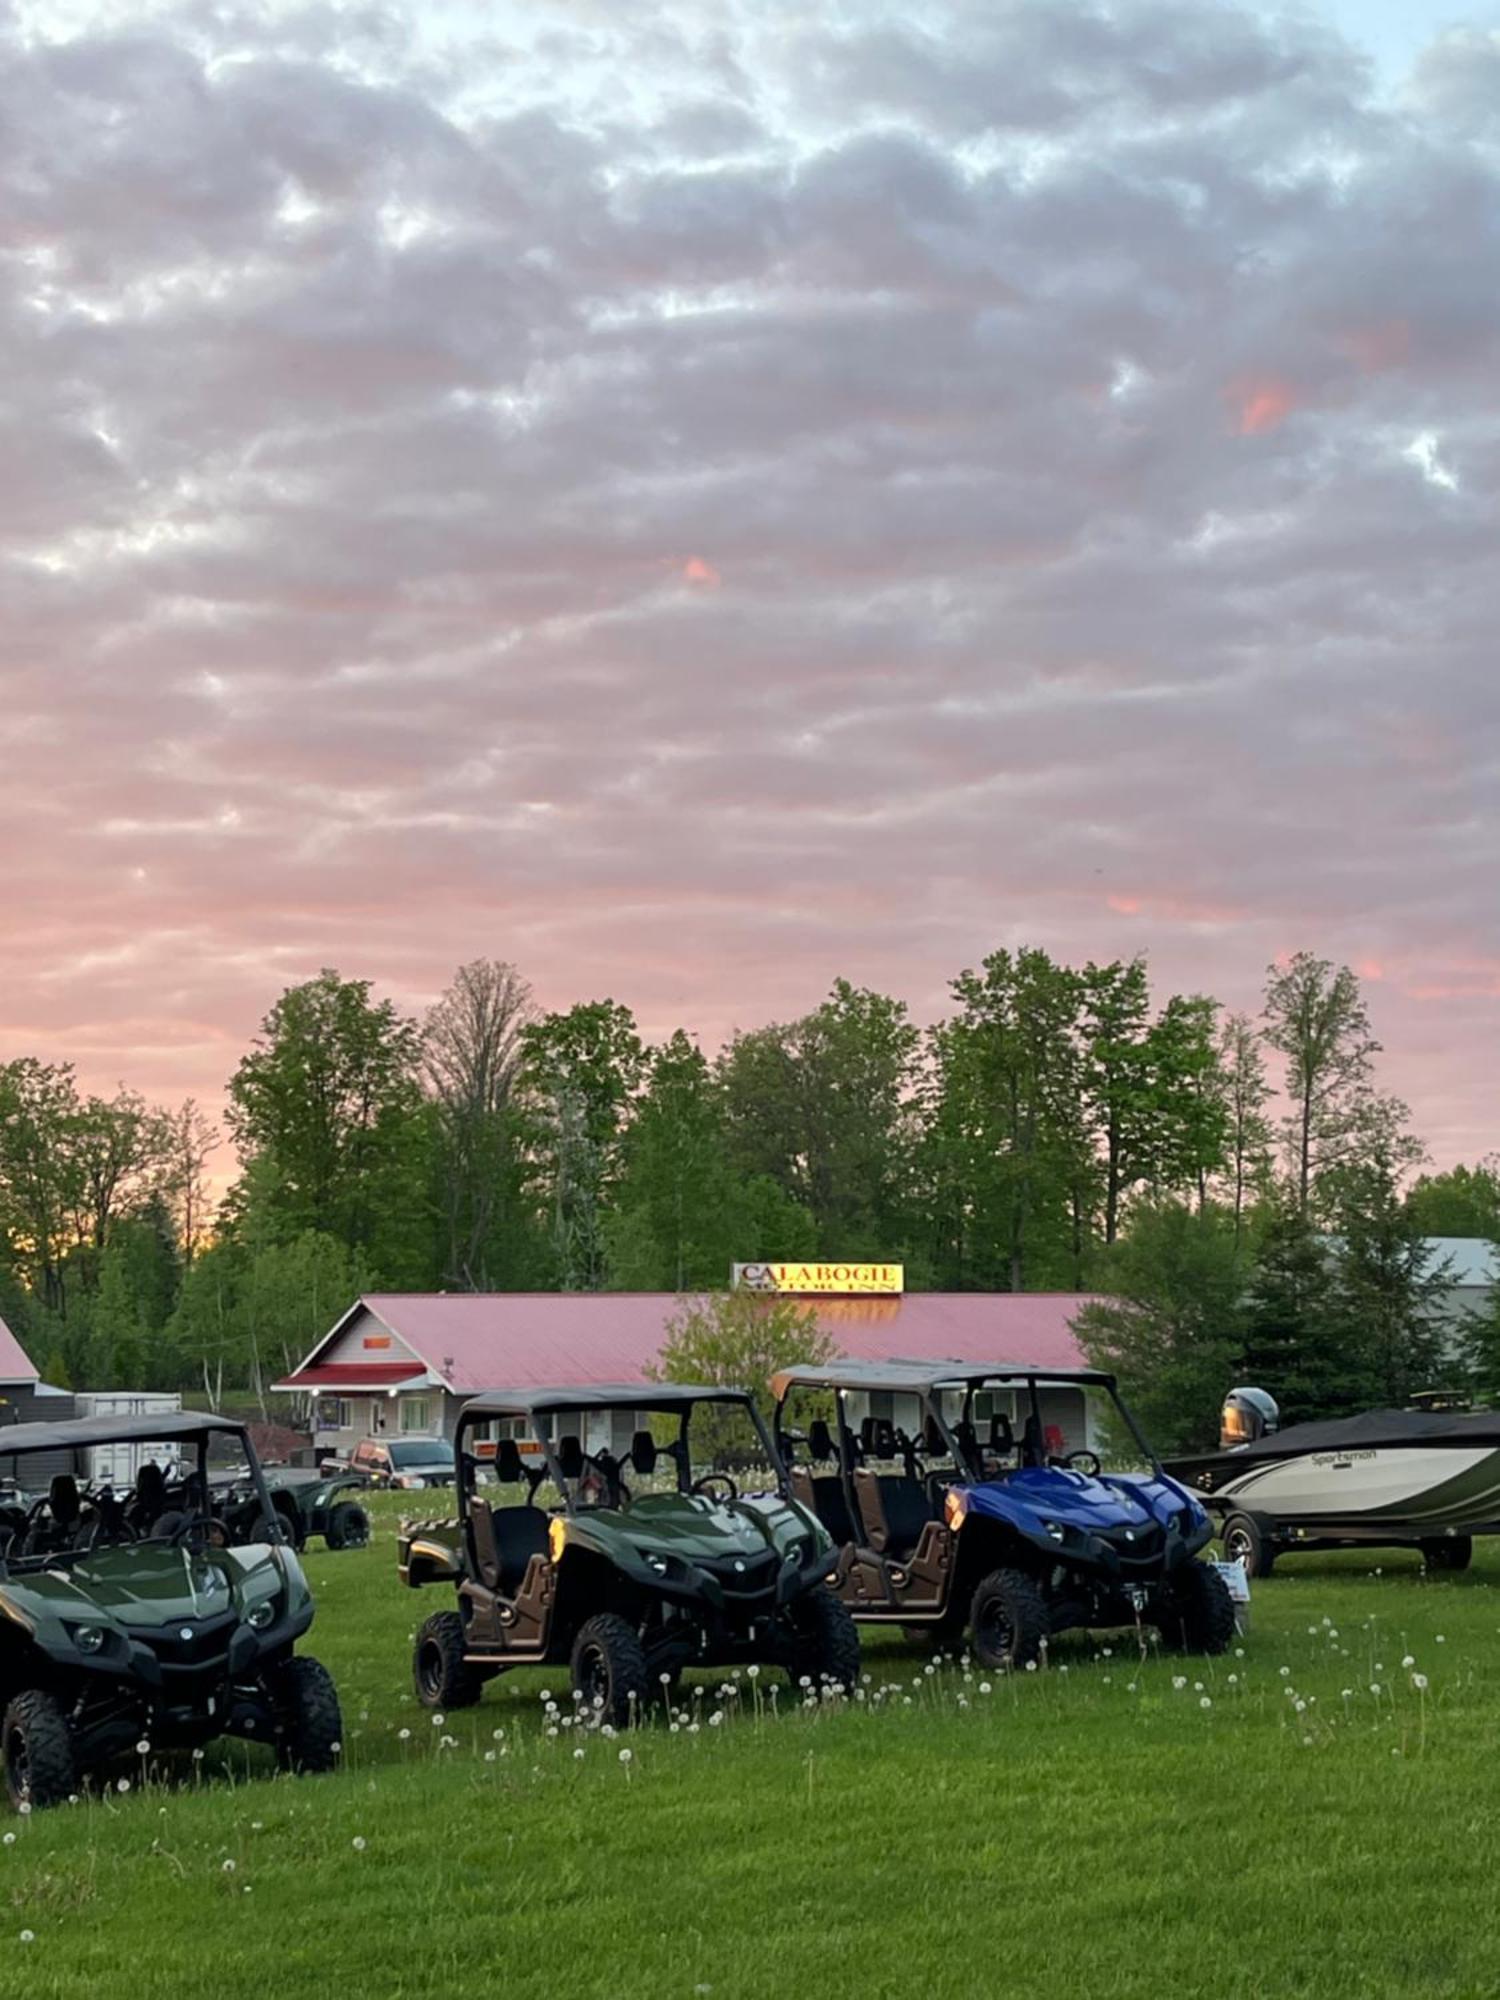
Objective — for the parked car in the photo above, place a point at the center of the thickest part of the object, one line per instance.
(125, 1616)
(957, 1524)
(649, 1562)
(410, 1462)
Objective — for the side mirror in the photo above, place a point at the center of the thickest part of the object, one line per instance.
(643, 1453)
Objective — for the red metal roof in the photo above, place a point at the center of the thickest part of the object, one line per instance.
(14, 1366)
(474, 1340)
(356, 1375)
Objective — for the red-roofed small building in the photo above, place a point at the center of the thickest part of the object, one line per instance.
(403, 1363)
(16, 1371)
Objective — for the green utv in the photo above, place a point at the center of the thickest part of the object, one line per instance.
(626, 1561)
(128, 1617)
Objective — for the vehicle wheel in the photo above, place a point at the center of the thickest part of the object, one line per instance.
(1009, 1621)
(826, 1646)
(1243, 1541)
(609, 1670)
(437, 1665)
(1197, 1613)
(1452, 1552)
(312, 1728)
(41, 1767)
(348, 1526)
(291, 1520)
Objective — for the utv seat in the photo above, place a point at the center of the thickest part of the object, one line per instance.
(55, 1529)
(505, 1539)
(895, 1506)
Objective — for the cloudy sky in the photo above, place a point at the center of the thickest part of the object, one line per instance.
(698, 499)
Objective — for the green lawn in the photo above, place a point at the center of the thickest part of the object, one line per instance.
(1093, 1828)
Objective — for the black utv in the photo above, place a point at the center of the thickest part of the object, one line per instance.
(968, 1498)
(127, 1616)
(603, 1528)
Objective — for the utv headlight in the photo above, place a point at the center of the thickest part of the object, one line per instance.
(1055, 1530)
(261, 1615)
(89, 1638)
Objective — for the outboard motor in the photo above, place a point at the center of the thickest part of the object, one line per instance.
(1247, 1414)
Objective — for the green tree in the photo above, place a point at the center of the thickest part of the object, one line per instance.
(1315, 1017)
(1388, 1289)
(1464, 1201)
(678, 1199)
(1009, 1169)
(40, 1192)
(246, 1315)
(739, 1339)
(1152, 1087)
(1244, 1094)
(471, 1059)
(139, 1276)
(1295, 1343)
(1172, 1326)
(328, 1116)
(825, 1107)
(683, 1214)
(579, 1074)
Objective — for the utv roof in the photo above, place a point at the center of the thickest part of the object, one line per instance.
(919, 1377)
(78, 1432)
(599, 1396)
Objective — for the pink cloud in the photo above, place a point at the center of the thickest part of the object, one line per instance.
(1260, 403)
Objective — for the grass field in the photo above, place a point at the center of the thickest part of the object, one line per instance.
(1307, 1818)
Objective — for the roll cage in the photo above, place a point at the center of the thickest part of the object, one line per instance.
(941, 1433)
(80, 1516)
(590, 1479)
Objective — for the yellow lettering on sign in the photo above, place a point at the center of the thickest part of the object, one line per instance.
(812, 1280)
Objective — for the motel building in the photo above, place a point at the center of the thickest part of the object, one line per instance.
(402, 1364)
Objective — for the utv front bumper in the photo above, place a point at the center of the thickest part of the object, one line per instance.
(735, 1589)
(1131, 1557)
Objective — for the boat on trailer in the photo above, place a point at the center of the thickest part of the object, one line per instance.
(1427, 1479)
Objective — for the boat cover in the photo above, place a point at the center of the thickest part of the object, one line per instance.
(1376, 1427)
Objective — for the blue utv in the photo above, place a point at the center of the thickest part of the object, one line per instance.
(966, 1497)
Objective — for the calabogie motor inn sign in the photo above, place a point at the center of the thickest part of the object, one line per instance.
(820, 1280)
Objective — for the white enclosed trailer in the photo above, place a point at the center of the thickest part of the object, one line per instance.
(116, 1465)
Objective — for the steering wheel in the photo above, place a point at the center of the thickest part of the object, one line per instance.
(711, 1479)
(1087, 1462)
(197, 1524)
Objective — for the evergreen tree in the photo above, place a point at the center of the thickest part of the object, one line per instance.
(1296, 1343)
(1172, 1326)
(1389, 1288)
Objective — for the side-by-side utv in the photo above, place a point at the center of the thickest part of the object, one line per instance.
(960, 1503)
(128, 1615)
(630, 1532)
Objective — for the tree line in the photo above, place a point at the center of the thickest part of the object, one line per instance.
(1238, 1187)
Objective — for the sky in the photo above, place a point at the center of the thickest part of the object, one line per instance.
(701, 500)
